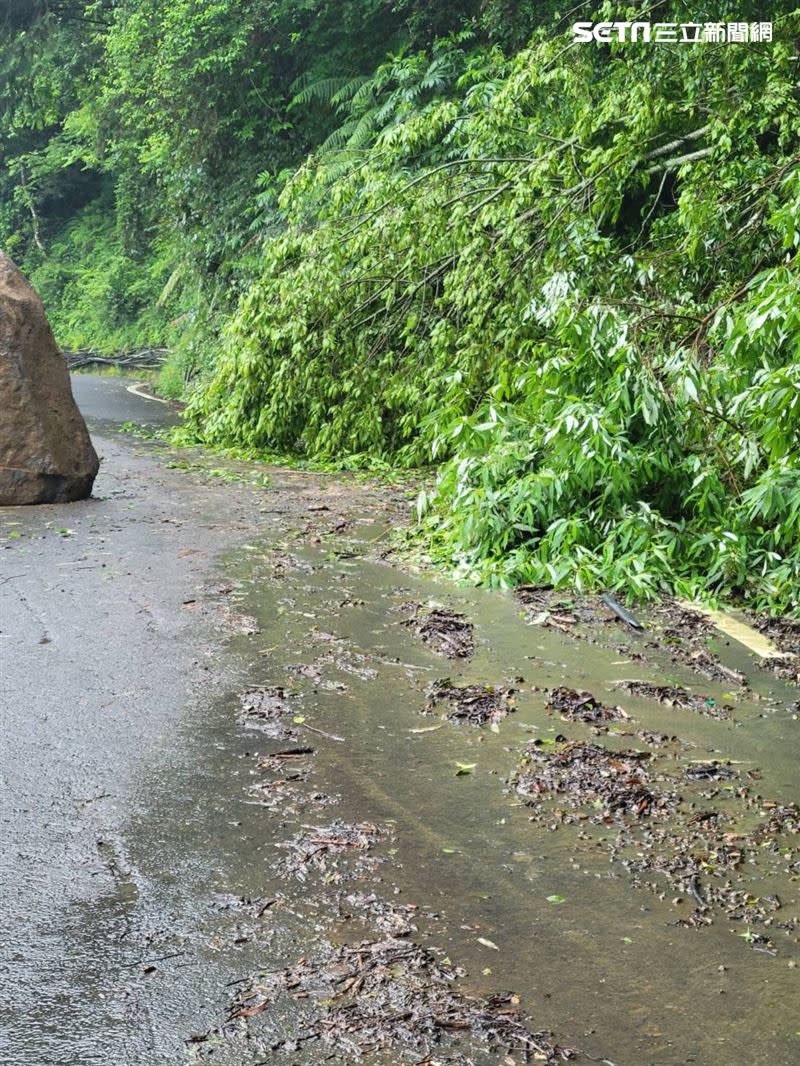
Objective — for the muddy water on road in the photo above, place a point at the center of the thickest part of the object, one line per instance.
(606, 969)
(155, 890)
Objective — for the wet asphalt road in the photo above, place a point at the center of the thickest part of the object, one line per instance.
(102, 665)
(129, 832)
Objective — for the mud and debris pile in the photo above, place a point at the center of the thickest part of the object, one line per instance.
(267, 709)
(709, 856)
(710, 771)
(683, 634)
(294, 761)
(394, 996)
(783, 631)
(447, 632)
(582, 707)
(371, 992)
(689, 830)
(283, 790)
(589, 775)
(679, 697)
(391, 918)
(477, 705)
(674, 631)
(694, 830)
(569, 614)
(317, 848)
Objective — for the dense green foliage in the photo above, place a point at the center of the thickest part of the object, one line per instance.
(143, 142)
(398, 232)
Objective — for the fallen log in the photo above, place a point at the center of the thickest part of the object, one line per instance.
(142, 359)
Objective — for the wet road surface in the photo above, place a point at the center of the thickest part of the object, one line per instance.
(101, 670)
(135, 832)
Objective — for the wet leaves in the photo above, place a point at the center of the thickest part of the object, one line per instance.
(289, 768)
(318, 847)
(463, 768)
(588, 775)
(477, 705)
(548, 607)
(295, 757)
(266, 708)
(582, 707)
(677, 696)
(283, 794)
(710, 771)
(682, 634)
(784, 631)
(395, 919)
(393, 996)
(712, 855)
(786, 635)
(447, 632)
(714, 866)
(655, 739)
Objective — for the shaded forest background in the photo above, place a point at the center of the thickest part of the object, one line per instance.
(403, 232)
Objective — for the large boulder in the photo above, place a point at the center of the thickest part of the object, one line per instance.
(46, 455)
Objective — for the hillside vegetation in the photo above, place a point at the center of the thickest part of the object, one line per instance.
(566, 274)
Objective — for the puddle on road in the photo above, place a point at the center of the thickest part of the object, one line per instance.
(203, 896)
(520, 904)
(333, 656)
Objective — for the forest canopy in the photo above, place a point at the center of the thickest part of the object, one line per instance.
(435, 234)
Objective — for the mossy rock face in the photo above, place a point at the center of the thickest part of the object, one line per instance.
(46, 454)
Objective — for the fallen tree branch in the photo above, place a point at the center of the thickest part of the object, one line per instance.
(144, 359)
(665, 149)
(673, 164)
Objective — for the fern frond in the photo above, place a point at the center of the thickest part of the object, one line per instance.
(322, 91)
(350, 91)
